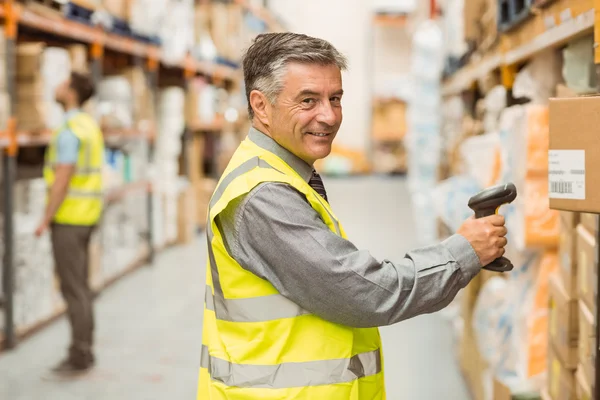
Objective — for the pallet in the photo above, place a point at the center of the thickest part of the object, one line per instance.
(511, 13)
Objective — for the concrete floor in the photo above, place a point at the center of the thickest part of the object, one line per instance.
(149, 323)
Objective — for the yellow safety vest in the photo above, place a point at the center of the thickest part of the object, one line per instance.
(256, 343)
(83, 204)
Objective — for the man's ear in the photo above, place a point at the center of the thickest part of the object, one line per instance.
(261, 107)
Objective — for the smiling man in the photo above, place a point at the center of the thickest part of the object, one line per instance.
(292, 306)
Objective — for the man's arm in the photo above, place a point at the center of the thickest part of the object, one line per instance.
(58, 191)
(278, 236)
(67, 153)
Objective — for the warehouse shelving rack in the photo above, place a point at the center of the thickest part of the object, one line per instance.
(15, 16)
(554, 26)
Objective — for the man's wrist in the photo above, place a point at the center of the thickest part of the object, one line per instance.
(465, 256)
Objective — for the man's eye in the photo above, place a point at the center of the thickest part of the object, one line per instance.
(336, 99)
(308, 101)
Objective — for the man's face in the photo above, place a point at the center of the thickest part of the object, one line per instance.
(308, 112)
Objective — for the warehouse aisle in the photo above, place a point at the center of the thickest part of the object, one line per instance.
(149, 324)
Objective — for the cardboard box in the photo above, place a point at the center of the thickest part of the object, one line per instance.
(186, 215)
(587, 267)
(389, 120)
(590, 222)
(563, 323)
(587, 342)
(561, 380)
(117, 8)
(569, 220)
(472, 364)
(29, 60)
(78, 54)
(567, 251)
(583, 387)
(574, 156)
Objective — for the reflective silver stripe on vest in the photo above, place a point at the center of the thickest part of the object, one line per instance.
(243, 168)
(253, 309)
(293, 374)
(86, 195)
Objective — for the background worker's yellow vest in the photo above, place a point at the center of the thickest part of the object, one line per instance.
(256, 343)
(83, 203)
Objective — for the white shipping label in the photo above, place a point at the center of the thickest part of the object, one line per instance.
(566, 174)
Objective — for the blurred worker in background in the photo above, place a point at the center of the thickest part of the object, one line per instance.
(292, 306)
(73, 173)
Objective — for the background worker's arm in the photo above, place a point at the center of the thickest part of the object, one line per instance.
(66, 162)
(274, 233)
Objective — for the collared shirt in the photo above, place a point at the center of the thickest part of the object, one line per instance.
(67, 145)
(274, 233)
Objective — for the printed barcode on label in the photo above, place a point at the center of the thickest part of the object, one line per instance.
(561, 187)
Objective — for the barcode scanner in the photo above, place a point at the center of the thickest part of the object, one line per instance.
(488, 202)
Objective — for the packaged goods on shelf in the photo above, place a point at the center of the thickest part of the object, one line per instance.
(533, 224)
(574, 154)
(479, 158)
(564, 323)
(590, 222)
(40, 70)
(200, 103)
(226, 30)
(146, 16)
(177, 31)
(142, 98)
(423, 140)
(186, 214)
(204, 190)
(117, 8)
(587, 269)
(451, 198)
(561, 380)
(587, 342)
(480, 23)
(583, 387)
(36, 295)
(524, 155)
(567, 251)
(78, 54)
(511, 319)
(454, 25)
(204, 48)
(578, 70)
(115, 102)
(389, 120)
(538, 79)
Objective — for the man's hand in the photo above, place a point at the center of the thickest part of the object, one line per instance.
(486, 235)
(41, 229)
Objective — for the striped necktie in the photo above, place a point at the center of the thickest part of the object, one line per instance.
(317, 184)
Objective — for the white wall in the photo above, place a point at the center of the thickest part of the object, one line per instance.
(372, 52)
(346, 24)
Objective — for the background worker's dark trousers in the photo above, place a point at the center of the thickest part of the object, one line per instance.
(70, 246)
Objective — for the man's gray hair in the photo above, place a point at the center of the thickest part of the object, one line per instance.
(266, 60)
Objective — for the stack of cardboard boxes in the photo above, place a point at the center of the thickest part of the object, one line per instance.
(572, 309)
(4, 98)
(31, 109)
(574, 155)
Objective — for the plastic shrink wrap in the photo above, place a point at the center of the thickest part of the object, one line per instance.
(524, 147)
(511, 321)
(423, 139)
(177, 31)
